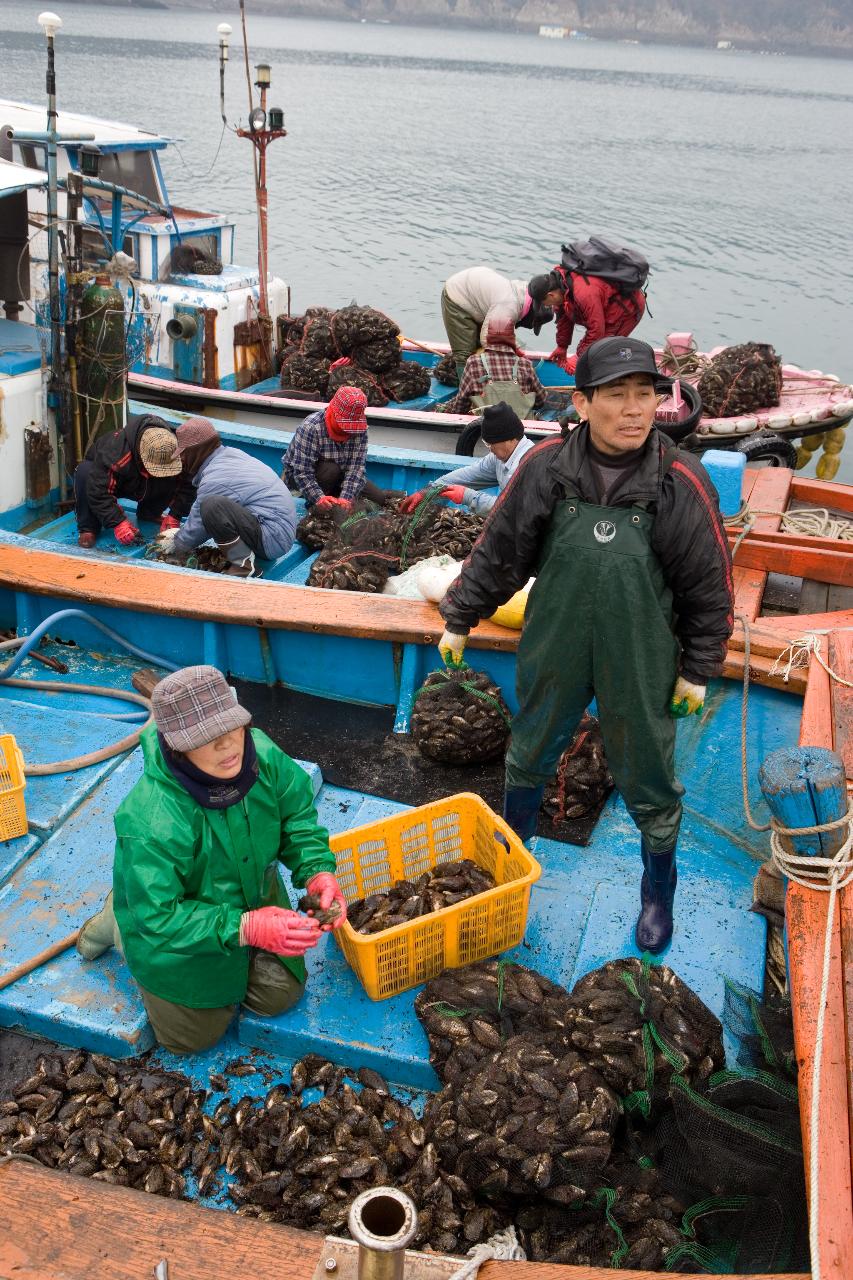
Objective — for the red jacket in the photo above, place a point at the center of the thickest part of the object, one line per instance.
(597, 306)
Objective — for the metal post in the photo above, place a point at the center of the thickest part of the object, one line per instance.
(383, 1221)
(261, 144)
(54, 386)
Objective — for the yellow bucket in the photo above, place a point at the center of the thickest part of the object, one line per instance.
(13, 810)
(371, 858)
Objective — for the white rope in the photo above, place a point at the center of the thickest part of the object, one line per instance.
(798, 654)
(503, 1246)
(826, 875)
(810, 522)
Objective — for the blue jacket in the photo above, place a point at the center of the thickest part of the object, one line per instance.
(231, 473)
(485, 473)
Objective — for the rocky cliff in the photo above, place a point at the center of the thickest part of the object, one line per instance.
(764, 24)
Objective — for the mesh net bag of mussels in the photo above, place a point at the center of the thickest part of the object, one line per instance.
(359, 552)
(741, 379)
(460, 717)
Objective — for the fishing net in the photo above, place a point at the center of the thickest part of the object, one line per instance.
(438, 530)
(360, 552)
(640, 1025)
(763, 1029)
(732, 1149)
(583, 780)
(210, 559)
(316, 528)
(378, 356)
(349, 376)
(445, 372)
(526, 1121)
(407, 382)
(301, 373)
(470, 1012)
(317, 341)
(460, 717)
(356, 326)
(741, 379)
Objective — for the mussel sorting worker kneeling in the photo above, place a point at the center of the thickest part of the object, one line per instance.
(326, 459)
(198, 905)
(632, 603)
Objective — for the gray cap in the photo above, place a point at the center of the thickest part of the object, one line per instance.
(610, 359)
(195, 705)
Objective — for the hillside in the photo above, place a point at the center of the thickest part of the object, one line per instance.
(818, 25)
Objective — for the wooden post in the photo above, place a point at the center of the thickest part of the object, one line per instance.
(805, 787)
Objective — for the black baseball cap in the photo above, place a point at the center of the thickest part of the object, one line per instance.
(539, 286)
(609, 359)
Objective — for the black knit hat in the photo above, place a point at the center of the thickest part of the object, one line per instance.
(499, 422)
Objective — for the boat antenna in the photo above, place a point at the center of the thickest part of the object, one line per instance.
(264, 127)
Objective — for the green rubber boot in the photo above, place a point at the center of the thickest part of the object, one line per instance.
(99, 932)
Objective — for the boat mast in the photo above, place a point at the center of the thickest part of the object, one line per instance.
(264, 128)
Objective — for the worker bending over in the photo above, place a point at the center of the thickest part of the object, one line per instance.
(632, 604)
(503, 432)
(198, 906)
(326, 459)
(479, 299)
(240, 503)
(140, 463)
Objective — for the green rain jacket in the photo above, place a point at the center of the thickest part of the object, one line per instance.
(183, 875)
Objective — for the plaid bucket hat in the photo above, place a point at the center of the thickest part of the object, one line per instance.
(195, 705)
(158, 452)
(348, 405)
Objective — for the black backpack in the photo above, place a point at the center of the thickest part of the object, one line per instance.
(615, 263)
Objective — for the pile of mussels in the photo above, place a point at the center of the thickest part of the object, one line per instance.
(443, 886)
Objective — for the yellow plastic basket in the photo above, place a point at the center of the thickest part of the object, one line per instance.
(372, 857)
(13, 811)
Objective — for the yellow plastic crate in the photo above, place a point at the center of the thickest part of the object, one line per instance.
(372, 857)
(13, 811)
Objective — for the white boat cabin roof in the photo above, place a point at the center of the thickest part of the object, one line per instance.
(110, 133)
(17, 177)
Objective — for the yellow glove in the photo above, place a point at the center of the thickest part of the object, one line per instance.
(687, 699)
(451, 647)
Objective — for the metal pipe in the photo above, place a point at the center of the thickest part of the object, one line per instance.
(383, 1222)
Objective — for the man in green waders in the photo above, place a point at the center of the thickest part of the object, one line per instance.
(632, 603)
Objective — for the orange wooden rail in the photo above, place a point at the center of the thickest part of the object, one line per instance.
(58, 1227)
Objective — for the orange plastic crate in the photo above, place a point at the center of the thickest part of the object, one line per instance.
(371, 858)
(13, 810)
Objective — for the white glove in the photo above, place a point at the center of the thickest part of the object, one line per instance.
(687, 699)
(166, 540)
(451, 647)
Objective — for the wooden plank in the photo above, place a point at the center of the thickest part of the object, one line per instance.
(778, 539)
(765, 488)
(816, 720)
(847, 973)
(149, 589)
(840, 660)
(797, 624)
(814, 597)
(806, 915)
(761, 672)
(823, 493)
(58, 1227)
(800, 560)
(839, 599)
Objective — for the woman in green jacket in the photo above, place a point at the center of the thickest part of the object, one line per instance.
(198, 906)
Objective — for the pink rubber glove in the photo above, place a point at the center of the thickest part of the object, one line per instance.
(408, 505)
(285, 933)
(327, 501)
(169, 522)
(326, 886)
(454, 493)
(125, 533)
(569, 364)
(558, 356)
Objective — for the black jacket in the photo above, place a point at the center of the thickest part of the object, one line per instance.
(118, 473)
(688, 538)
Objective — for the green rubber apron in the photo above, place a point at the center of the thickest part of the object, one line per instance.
(599, 623)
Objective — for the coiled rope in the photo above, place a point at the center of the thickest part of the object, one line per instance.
(825, 875)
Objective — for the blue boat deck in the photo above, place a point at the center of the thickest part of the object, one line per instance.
(582, 910)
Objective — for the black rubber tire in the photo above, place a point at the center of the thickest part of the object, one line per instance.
(678, 431)
(466, 441)
(775, 450)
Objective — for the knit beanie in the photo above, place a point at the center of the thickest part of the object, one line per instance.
(500, 422)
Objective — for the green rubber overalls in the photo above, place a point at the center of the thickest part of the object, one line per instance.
(599, 623)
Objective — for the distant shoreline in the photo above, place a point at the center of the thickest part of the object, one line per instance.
(756, 44)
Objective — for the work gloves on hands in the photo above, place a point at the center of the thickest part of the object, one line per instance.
(166, 540)
(327, 502)
(126, 533)
(560, 356)
(327, 889)
(451, 646)
(169, 522)
(687, 699)
(454, 493)
(414, 500)
(285, 933)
